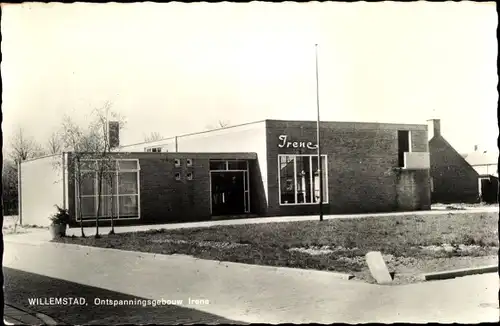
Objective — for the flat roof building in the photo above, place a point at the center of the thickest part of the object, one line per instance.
(265, 168)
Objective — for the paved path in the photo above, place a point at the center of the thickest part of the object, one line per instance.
(253, 294)
(279, 219)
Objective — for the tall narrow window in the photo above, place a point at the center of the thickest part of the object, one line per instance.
(315, 179)
(287, 179)
(403, 146)
(303, 179)
(299, 179)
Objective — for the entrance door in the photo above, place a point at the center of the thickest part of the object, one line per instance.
(228, 193)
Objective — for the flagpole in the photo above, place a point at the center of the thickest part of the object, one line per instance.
(318, 141)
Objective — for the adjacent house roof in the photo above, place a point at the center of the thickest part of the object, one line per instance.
(481, 158)
(484, 162)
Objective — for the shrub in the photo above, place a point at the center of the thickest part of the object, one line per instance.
(61, 217)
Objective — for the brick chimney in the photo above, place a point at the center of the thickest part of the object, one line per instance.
(434, 128)
(114, 134)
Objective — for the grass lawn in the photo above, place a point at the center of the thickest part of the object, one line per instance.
(411, 244)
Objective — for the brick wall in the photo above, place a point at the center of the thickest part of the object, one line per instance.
(361, 167)
(454, 180)
(163, 199)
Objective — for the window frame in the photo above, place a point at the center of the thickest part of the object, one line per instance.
(402, 163)
(116, 193)
(325, 182)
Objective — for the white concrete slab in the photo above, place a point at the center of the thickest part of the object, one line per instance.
(378, 267)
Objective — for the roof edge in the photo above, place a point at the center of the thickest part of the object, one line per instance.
(195, 133)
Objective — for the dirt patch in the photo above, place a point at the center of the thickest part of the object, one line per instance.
(211, 244)
(314, 251)
(464, 249)
(323, 250)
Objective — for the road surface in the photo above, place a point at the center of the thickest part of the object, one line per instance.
(21, 287)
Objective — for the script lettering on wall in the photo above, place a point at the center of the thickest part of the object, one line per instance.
(285, 143)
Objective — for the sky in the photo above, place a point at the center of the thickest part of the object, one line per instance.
(175, 68)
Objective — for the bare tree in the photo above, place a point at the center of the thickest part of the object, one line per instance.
(107, 164)
(73, 139)
(218, 125)
(24, 147)
(91, 151)
(55, 143)
(153, 136)
(223, 123)
(10, 190)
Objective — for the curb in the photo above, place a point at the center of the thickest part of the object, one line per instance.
(336, 275)
(460, 272)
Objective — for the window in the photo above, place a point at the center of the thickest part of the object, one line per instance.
(299, 179)
(432, 184)
(128, 165)
(177, 163)
(177, 176)
(119, 192)
(189, 162)
(154, 149)
(228, 165)
(218, 165)
(189, 176)
(404, 146)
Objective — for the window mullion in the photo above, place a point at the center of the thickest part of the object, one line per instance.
(311, 184)
(117, 195)
(96, 191)
(324, 173)
(295, 178)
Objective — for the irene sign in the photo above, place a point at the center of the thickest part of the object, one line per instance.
(284, 143)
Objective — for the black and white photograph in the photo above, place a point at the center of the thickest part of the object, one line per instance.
(256, 162)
